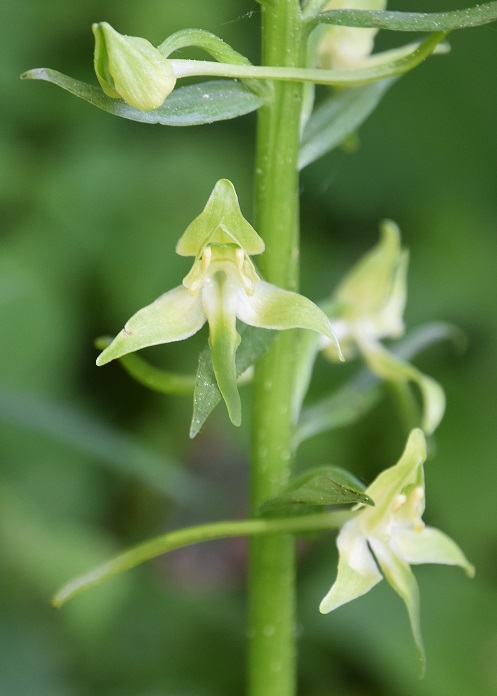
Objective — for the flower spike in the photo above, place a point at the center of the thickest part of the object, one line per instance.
(221, 287)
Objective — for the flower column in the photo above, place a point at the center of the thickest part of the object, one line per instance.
(272, 562)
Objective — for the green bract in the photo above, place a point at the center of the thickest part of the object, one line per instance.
(392, 535)
(223, 285)
(369, 305)
(130, 68)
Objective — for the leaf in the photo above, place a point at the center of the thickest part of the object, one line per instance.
(192, 105)
(344, 407)
(255, 342)
(107, 445)
(338, 117)
(428, 334)
(327, 485)
(411, 21)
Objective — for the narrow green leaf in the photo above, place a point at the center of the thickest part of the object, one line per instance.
(107, 445)
(255, 342)
(327, 485)
(427, 335)
(356, 398)
(192, 105)
(338, 117)
(150, 376)
(411, 21)
(344, 407)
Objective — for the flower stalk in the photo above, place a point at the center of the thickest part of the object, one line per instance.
(180, 538)
(336, 77)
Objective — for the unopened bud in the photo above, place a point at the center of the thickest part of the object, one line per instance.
(130, 68)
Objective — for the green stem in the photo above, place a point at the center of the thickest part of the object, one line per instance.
(272, 650)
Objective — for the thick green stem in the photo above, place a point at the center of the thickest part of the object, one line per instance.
(272, 650)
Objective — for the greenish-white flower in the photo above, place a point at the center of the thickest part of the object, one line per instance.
(348, 47)
(222, 286)
(368, 306)
(130, 68)
(393, 536)
(351, 48)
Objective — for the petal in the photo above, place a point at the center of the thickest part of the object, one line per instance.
(401, 578)
(388, 321)
(174, 316)
(219, 298)
(138, 72)
(430, 546)
(270, 307)
(392, 368)
(347, 47)
(221, 222)
(357, 570)
(390, 483)
(367, 286)
(101, 62)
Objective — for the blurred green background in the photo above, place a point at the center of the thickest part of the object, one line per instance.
(91, 208)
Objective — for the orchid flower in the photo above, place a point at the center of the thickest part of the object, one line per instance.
(223, 285)
(351, 48)
(393, 536)
(130, 68)
(348, 47)
(368, 306)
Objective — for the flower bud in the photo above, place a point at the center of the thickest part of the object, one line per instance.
(130, 68)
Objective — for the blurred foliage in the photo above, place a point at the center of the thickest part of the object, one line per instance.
(91, 209)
